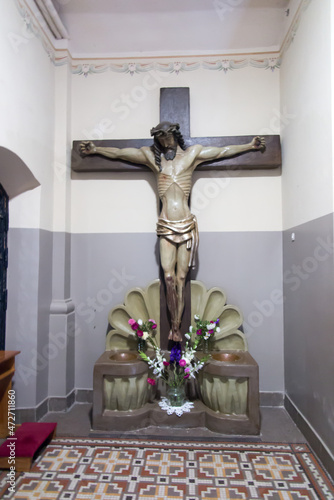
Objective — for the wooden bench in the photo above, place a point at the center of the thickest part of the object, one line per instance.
(20, 450)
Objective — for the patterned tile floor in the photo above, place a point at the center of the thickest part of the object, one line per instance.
(146, 469)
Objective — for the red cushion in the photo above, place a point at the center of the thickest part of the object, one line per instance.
(30, 436)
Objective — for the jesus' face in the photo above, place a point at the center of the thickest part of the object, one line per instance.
(169, 144)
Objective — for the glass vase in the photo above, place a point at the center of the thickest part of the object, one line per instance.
(206, 346)
(141, 344)
(176, 395)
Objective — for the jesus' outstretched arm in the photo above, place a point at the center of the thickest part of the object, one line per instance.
(212, 153)
(141, 156)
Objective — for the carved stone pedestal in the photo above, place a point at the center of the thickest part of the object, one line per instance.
(122, 402)
(119, 385)
(229, 385)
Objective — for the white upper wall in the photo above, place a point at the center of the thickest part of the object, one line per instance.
(306, 87)
(128, 28)
(27, 113)
(119, 105)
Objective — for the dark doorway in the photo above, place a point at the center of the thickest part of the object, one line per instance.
(3, 264)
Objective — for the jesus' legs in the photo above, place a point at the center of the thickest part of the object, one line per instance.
(168, 258)
(174, 261)
(182, 269)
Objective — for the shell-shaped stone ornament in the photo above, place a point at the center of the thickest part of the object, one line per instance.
(211, 305)
(138, 304)
(207, 304)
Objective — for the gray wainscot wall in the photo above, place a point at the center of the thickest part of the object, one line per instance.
(308, 332)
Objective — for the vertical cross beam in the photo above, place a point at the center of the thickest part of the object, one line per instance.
(175, 107)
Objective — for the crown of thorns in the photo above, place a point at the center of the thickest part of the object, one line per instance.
(164, 128)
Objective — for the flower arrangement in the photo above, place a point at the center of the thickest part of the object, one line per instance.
(141, 329)
(205, 330)
(182, 364)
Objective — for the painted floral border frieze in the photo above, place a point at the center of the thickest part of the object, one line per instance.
(177, 67)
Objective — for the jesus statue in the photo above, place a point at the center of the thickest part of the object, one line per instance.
(173, 163)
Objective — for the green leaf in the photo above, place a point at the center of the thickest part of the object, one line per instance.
(143, 356)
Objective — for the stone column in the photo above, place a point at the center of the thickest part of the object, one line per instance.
(62, 316)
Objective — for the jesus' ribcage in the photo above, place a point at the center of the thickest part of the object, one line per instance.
(183, 180)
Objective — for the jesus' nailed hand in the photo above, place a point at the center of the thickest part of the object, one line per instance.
(173, 163)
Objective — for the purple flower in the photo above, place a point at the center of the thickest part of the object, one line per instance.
(140, 333)
(199, 332)
(175, 354)
(135, 326)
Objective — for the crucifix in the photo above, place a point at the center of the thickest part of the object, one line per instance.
(173, 157)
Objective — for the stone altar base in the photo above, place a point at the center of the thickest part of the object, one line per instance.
(122, 402)
(152, 415)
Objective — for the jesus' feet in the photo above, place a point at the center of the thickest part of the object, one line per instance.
(175, 334)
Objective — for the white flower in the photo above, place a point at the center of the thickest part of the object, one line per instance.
(196, 317)
(145, 335)
(217, 329)
(211, 326)
(140, 322)
(187, 336)
(190, 329)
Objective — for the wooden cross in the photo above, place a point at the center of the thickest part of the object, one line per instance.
(175, 108)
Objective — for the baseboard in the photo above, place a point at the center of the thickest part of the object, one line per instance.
(62, 404)
(53, 404)
(271, 399)
(84, 395)
(319, 448)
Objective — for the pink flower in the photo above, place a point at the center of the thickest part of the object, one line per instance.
(187, 370)
(199, 332)
(131, 321)
(186, 375)
(182, 362)
(166, 363)
(139, 333)
(151, 381)
(154, 325)
(135, 326)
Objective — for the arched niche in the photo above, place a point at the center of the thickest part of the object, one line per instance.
(15, 179)
(15, 176)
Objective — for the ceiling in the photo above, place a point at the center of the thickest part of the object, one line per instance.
(143, 28)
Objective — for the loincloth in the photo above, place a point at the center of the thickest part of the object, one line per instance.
(180, 231)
